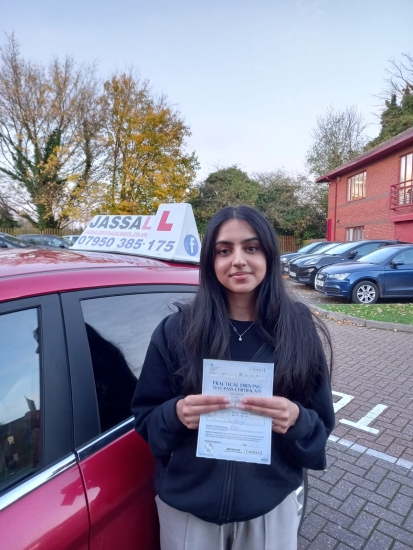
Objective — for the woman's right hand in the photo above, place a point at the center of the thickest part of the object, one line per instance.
(191, 407)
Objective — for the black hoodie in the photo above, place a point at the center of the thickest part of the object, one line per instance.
(221, 491)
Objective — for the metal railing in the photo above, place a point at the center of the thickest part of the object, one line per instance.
(401, 194)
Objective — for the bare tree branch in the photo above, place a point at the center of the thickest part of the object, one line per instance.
(338, 137)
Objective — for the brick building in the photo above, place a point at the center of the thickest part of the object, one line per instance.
(371, 196)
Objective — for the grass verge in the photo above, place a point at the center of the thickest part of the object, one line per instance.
(390, 313)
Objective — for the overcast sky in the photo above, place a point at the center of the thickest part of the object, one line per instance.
(249, 77)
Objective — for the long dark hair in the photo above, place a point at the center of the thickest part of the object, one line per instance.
(285, 324)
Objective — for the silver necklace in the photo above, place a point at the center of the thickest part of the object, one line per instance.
(238, 334)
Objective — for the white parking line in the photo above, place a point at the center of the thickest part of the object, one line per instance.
(372, 452)
(363, 423)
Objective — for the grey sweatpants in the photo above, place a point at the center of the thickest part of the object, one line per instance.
(276, 530)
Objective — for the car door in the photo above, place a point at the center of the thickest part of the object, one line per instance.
(398, 276)
(42, 498)
(108, 333)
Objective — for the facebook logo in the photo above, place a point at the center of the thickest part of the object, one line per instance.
(191, 245)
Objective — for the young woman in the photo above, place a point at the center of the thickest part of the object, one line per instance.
(241, 312)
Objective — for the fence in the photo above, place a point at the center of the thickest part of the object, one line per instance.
(288, 243)
(16, 231)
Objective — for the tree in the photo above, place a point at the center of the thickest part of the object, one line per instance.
(293, 204)
(143, 145)
(397, 116)
(338, 137)
(313, 202)
(394, 118)
(49, 121)
(225, 187)
(399, 77)
(6, 217)
(277, 199)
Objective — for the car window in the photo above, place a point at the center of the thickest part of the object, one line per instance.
(340, 249)
(308, 248)
(19, 396)
(12, 240)
(33, 239)
(406, 256)
(377, 256)
(52, 241)
(366, 249)
(119, 329)
(327, 246)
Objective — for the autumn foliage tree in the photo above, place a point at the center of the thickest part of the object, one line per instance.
(143, 140)
(71, 145)
(48, 129)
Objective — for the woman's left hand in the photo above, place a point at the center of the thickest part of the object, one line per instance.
(284, 413)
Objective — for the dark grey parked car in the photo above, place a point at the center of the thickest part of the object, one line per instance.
(8, 241)
(46, 241)
(285, 262)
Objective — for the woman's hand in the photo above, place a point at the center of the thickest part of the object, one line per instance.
(191, 407)
(284, 413)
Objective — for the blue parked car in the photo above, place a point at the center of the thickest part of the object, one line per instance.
(384, 273)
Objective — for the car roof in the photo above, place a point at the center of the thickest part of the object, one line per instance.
(29, 272)
(401, 245)
(37, 235)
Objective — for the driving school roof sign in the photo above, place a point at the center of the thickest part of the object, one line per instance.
(169, 235)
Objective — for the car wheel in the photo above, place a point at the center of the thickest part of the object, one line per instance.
(365, 292)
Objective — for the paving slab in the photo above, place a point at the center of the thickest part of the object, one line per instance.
(364, 499)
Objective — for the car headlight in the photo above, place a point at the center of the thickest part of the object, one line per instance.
(339, 276)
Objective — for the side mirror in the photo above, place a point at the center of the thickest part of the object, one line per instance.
(352, 255)
(3, 245)
(395, 263)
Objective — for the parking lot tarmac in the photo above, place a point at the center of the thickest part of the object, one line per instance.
(365, 497)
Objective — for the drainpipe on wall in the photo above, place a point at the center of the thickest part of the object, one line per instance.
(335, 207)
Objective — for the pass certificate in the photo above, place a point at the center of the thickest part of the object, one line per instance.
(236, 434)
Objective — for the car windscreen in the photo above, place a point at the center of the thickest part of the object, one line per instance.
(340, 249)
(307, 248)
(14, 241)
(323, 249)
(379, 256)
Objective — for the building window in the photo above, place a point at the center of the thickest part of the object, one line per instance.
(355, 233)
(405, 188)
(357, 187)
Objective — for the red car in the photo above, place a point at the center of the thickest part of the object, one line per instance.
(74, 328)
